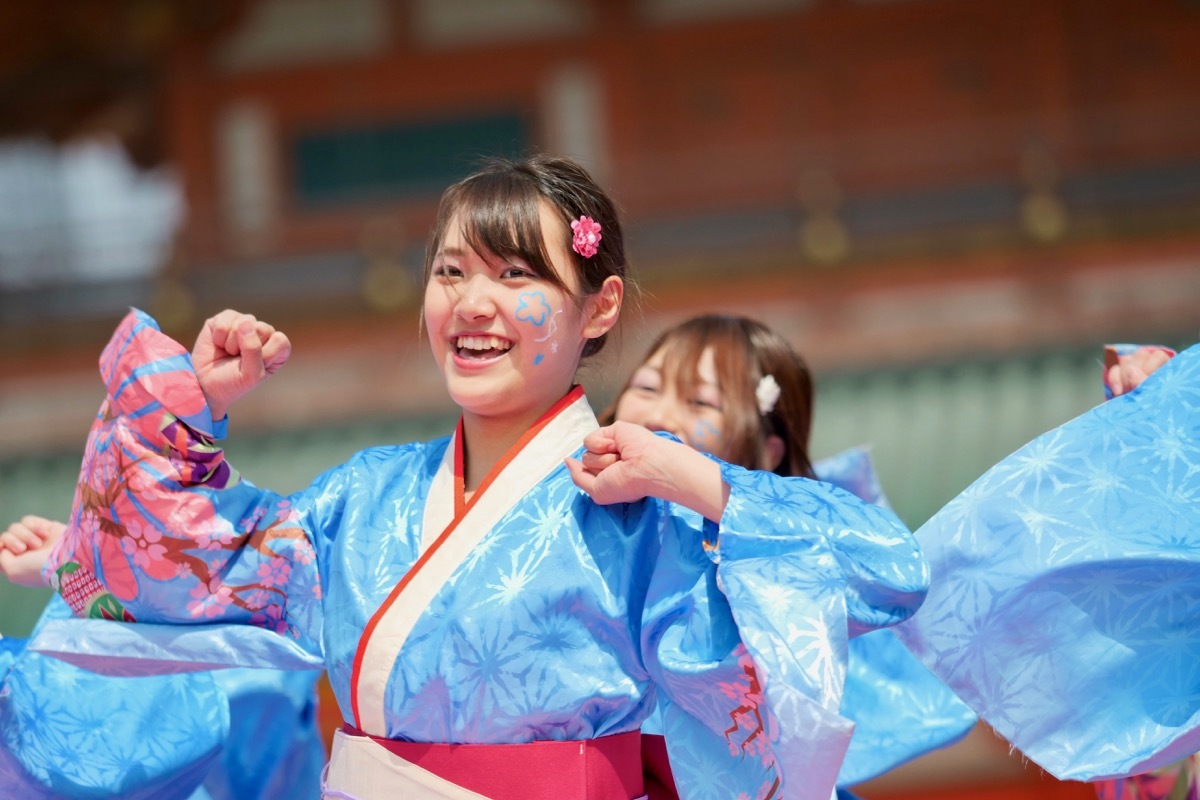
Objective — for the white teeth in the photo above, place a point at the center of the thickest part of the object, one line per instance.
(481, 343)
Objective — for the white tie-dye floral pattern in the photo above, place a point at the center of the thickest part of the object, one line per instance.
(1066, 602)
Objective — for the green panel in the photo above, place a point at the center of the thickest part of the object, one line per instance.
(399, 160)
(934, 430)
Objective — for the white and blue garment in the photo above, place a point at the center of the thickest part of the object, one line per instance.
(899, 708)
(65, 732)
(527, 613)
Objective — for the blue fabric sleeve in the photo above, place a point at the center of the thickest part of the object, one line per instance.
(1065, 608)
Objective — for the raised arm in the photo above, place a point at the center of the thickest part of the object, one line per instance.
(162, 528)
(884, 574)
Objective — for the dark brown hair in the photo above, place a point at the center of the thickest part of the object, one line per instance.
(744, 350)
(498, 208)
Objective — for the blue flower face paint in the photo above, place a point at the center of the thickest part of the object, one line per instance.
(532, 308)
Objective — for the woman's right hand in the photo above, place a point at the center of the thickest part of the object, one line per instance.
(234, 353)
(25, 546)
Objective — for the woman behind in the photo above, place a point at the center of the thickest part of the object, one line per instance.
(734, 388)
(725, 385)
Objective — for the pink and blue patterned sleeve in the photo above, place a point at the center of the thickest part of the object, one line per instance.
(162, 528)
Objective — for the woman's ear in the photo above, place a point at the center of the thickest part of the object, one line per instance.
(772, 453)
(604, 307)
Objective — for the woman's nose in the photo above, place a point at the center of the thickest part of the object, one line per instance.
(475, 299)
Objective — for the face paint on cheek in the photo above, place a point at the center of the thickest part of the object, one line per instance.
(705, 436)
(538, 319)
(550, 331)
(532, 308)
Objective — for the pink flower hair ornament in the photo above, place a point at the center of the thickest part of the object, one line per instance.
(586, 240)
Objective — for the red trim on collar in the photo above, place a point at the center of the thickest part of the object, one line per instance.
(460, 510)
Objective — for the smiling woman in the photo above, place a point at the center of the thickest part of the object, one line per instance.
(471, 656)
(508, 329)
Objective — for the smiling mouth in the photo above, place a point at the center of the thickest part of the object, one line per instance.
(481, 348)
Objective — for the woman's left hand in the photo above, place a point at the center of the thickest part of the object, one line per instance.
(618, 464)
(1125, 373)
(624, 462)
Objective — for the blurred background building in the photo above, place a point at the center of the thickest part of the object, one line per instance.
(946, 205)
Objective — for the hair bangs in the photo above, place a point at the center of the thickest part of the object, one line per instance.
(500, 217)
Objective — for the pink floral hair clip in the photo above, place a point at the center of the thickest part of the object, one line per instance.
(586, 240)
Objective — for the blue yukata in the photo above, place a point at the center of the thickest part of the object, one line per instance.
(899, 708)
(236, 734)
(527, 614)
(1065, 602)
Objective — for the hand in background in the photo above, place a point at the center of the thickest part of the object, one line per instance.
(25, 546)
(1124, 373)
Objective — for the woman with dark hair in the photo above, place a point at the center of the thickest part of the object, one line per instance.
(499, 610)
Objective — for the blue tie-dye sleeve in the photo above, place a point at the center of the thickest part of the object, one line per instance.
(747, 624)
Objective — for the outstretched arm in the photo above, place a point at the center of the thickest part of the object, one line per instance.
(25, 546)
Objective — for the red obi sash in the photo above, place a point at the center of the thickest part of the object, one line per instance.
(608, 768)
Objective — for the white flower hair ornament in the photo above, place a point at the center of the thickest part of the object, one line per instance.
(767, 394)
